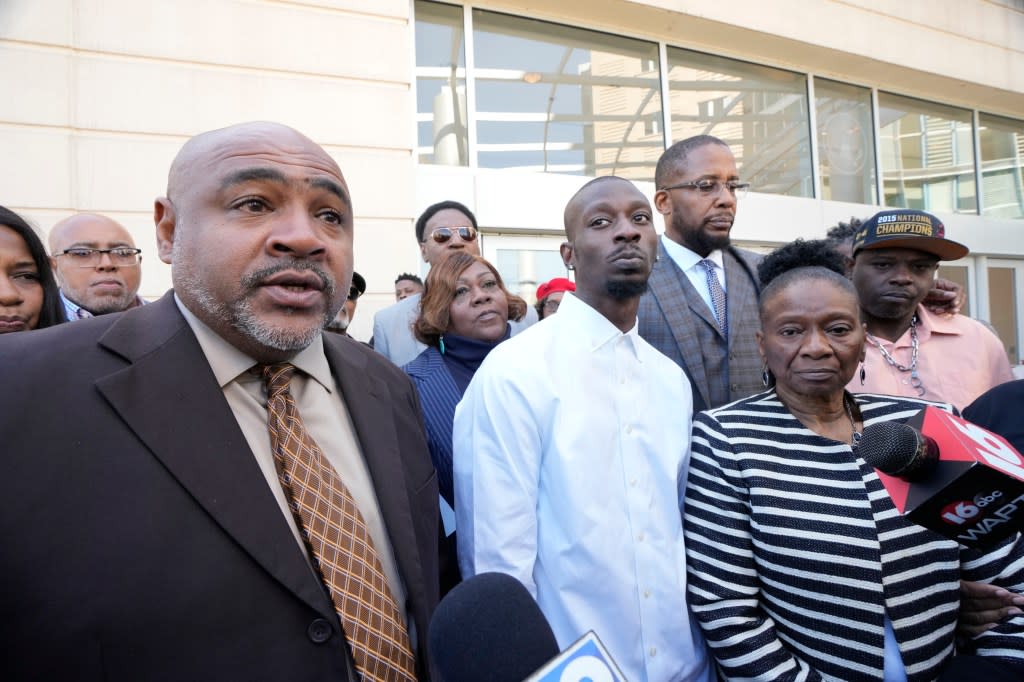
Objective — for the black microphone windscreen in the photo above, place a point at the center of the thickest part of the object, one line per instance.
(893, 448)
(489, 628)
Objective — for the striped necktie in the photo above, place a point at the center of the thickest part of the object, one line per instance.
(337, 539)
(717, 296)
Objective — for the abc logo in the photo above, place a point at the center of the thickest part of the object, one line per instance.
(958, 513)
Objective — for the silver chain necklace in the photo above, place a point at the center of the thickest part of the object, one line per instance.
(915, 379)
(855, 435)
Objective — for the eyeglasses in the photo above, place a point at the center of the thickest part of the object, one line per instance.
(90, 258)
(707, 187)
(551, 305)
(442, 235)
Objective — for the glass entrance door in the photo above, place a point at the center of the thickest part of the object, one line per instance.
(1006, 304)
(525, 261)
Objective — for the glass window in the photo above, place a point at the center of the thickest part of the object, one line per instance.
(525, 261)
(559, 99)
(760, 112)
(927, 155)
(440, 85)
(1002, 166)
(846, 148)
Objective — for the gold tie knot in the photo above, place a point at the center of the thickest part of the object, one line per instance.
(277, 378)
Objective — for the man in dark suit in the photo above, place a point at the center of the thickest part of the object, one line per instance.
(150, 529)
(701, 305)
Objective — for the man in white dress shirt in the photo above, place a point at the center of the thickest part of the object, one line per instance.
(571, 448)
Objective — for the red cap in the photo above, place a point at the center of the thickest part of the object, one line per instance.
(554, 286)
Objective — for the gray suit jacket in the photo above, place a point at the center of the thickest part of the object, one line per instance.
(675, 320)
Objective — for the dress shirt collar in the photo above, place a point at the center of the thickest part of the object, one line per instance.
(686, 259)
(593, 327)
(227, 362)
(929, 323)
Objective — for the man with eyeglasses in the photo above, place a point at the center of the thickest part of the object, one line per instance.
(442, 228)
(97, 266)
(701, 305)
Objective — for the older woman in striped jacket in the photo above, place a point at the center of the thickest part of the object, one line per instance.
(800, 567)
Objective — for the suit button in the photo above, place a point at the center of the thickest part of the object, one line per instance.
(319, 631)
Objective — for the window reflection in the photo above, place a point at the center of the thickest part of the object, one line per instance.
(1002, 166)
(927, 155)
(845, 145)
(440, 85)
(759, 111)
(558, 99)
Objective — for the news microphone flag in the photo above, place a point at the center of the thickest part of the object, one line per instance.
(975, 495)
(586, 660)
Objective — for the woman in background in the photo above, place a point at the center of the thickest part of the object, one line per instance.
(29, 297)
(464, 314)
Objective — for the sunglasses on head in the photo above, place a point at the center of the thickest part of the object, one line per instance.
(444, 234)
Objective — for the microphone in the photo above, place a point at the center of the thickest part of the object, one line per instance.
(949, 475)
(490, 629)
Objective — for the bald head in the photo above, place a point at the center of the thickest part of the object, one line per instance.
(69, 231)
(585, 194)
(611, 244)
(207, 150)
(105, 285)
(257, 227)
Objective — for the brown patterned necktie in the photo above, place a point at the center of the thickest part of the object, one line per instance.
(336, 535)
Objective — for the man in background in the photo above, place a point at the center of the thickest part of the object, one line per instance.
(406, 285)
(701, 307)
(97, 266)
(910, 351)
(443, 228)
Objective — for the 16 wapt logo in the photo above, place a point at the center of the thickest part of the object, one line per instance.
(585, 661)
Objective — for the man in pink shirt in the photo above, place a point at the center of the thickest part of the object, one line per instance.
(910, 351)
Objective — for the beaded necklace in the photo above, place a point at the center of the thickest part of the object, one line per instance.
(915, 379)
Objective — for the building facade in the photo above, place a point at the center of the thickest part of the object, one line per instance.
(832, 109)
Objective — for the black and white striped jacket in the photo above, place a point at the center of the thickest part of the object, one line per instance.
(796, 553)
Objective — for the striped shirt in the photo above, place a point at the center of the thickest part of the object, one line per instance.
(796, 554)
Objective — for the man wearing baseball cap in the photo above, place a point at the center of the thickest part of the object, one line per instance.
(549, 295)
(910, 351)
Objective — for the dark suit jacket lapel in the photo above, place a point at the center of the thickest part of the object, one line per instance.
(369, 404)
(739, 282)
(676, 297)
(170, 399)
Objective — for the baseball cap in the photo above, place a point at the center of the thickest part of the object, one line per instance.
(907, 229)
(553, 286)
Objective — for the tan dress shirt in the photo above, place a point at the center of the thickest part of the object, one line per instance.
(325, 416)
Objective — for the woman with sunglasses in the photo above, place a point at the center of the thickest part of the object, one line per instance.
(29, 297)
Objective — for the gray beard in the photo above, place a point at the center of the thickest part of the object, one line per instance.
(239, 313)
